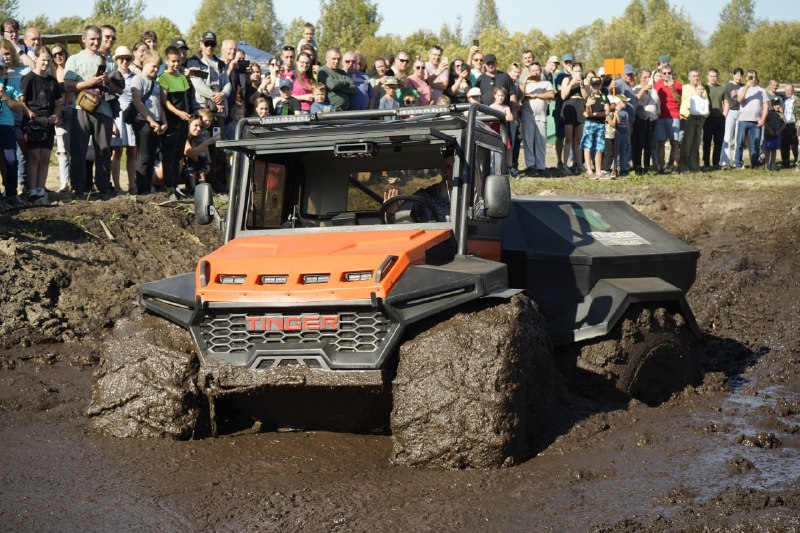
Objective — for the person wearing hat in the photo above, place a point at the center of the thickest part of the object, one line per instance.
(550, 68)
(389, 98)
(286, 104)
(494, 78)
(125, 138)
(211, 92)
(593, 138)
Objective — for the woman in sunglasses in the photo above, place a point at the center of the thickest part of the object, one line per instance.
(57, 70)
(417, 81)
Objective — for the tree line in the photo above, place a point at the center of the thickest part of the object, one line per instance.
(646, 29)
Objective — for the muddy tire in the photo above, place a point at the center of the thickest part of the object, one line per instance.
(146, 385)
(648, 355)
(468, 391)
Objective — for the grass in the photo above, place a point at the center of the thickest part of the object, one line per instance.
(729, 180)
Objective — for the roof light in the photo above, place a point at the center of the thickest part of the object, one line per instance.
(358, 276)
(423, 110)
(316, 278)
(285, 119)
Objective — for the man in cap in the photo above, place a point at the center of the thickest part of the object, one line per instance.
(494, 78)
(550, 69)
(211, 90)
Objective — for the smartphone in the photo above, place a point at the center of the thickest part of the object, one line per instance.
(200, 74)
(101, 69)
(244, 64)
(215, 132)
(476, 42)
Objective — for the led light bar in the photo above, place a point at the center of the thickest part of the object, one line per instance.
(316, 278)
(232, 279)
(423, 110)
(274, 279)
(358, 276)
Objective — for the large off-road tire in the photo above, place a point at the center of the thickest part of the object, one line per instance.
(146, 385)
(648, 355)
(468, 390)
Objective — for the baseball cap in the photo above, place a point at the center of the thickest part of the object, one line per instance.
(568, 57)
(286, 83)
(490, 58)
(553, 59)
(777, 100)
(622, 98)
(390, 80)
(664, 59)
(180, 43)
(210, 37)
(122, 51)
(596, 80)
(474, 92)
(628, 69)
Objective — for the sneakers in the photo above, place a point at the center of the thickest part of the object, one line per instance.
(106, 194)
(41, 201)
(16, 202)
(513, 171)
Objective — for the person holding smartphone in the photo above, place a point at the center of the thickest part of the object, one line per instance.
(754, 106)
(669, 123)
(83, 72)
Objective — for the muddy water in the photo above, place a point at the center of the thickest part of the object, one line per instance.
(723, 456)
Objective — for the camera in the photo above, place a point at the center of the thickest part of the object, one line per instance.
(198, 74)
(243, 64)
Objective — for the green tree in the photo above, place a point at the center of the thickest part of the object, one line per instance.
(41, 22)
(727, 43)
(294, 31)
(486, 17)
(580, 42)
(345, 23)
(129, 34)
(122, 10)
(252, 21)
(8, 9)
(773, 49)
(374, 46)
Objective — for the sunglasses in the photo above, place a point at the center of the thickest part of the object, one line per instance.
(409, 102)
(477, 60)
(403, 60)
(419, 67)
(349, 60)
(59, 53)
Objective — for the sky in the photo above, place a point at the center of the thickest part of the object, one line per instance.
(407, 16)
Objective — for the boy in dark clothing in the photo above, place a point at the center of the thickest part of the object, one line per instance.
(773, 128)
(176, 86)
(287, 104)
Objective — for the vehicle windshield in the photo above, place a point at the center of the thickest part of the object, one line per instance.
(347, 185)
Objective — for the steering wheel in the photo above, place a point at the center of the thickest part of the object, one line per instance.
(424, 202)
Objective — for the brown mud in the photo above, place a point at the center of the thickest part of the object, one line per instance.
(720, 456)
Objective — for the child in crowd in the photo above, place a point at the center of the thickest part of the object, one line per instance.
(261, 107)
(773, 129)
(389, 98)
(287, 104)
(237, 114)
(499, 95)
(623, 131)
(320, 93)
(197, 153)
(609, 168)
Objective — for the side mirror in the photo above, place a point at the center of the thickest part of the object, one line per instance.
(203, 204)
(497, 196)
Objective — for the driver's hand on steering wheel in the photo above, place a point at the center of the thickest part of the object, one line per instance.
(387, 195)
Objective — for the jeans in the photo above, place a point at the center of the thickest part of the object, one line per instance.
(729, 141)
(745, 128)
(623, 149)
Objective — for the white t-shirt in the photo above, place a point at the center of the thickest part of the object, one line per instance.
(536, 108)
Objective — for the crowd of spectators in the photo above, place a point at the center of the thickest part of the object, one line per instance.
(164, 110)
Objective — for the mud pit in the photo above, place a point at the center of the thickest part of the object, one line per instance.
(723, 455)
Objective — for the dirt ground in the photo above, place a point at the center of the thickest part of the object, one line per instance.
(724, 456)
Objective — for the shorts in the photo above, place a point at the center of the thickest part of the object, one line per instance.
(47, 143)
(772, 143)
(594, 136)
(572, 112)
(669, 129)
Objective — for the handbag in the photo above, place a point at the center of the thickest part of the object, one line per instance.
(88, 99)
(130, 113)
(35, 130)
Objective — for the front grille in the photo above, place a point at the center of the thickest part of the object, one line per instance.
(358, 332)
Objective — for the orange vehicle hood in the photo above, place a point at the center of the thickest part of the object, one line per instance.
(298, 255)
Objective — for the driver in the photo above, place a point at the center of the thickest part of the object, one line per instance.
(437, 194)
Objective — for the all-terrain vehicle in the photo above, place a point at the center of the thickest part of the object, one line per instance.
(384, 249)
